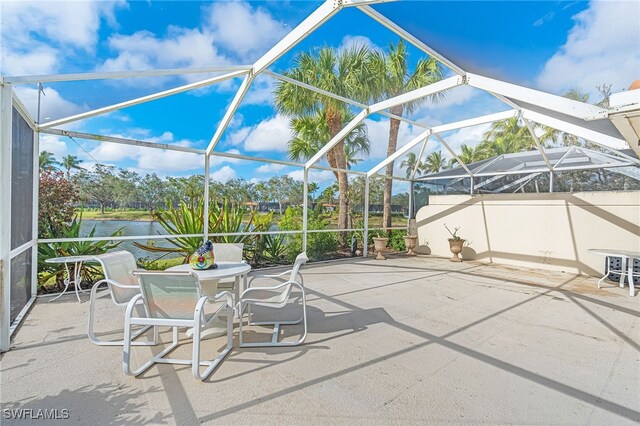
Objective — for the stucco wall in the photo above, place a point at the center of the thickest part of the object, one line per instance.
(551, 231)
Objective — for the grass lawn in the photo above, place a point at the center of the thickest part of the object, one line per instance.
(375, 221)
(117, 215)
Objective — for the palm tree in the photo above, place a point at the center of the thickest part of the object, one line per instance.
(394, 77)
(47, 161)
(468, 155)
(409, 164)
(312, 188)
(510, 126)
(434, 162)
(71, 162)
(343, 73)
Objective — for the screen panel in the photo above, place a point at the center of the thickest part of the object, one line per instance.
(21, 181)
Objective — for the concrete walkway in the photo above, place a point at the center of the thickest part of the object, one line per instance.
(404, 341)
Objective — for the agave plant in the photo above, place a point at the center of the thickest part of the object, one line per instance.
(72, 248)
(188, 218)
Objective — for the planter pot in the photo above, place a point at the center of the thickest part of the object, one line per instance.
(411, 241)
(380, 245)
(456, 247)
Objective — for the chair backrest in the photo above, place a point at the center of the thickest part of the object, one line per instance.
(301, 259)
(117, 266)
(228, 252)
(169, 295)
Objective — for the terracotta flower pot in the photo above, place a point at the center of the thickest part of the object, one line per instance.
(380, 245)
(456, 247)
(410, 241)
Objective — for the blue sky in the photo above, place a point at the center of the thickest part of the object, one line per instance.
(553, 46)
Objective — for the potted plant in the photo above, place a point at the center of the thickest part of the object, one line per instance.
(455, 243)
(380, 244)
(410, 241)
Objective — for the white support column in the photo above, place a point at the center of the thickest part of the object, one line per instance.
(34, 216)
(365, 210)
(305, 208)
(538, 144)
(5, 214)
(318, 17)
(143, 99)
(207, 166)
(410, 203)
(419, 159)
(583, 132)
(437, 87)
(551, 181)
(228, 115)
(536, 97)
(472, 188)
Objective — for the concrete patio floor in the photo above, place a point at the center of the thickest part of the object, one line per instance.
(407, 340)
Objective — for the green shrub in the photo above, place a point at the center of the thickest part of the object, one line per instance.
(319, 244)
(396, 240)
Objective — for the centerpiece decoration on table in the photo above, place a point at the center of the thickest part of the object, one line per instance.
(203, 258)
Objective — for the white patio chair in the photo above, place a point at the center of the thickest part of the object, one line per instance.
(173, 299)
(122, 286)
(227, 252)
(274, 297)
(301, 259)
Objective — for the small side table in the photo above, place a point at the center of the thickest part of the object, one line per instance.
(77, 261)
(626, 269)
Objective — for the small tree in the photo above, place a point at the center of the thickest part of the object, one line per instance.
(57, 198)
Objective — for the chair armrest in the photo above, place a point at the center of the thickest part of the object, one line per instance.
(222, 295)
(271, 276)
(117, 284)
(271, 288)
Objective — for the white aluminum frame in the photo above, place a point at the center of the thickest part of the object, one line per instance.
(501, 90)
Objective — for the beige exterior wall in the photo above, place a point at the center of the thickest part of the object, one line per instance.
(550, 231)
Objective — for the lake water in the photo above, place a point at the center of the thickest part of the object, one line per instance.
(105, 228)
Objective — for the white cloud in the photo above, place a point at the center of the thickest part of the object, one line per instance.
(270, 168)
(350, 41)
(272, 134)
(457, 96)
(378, 131)
(238, 136)
(261, 92)
(602, 47)
(471, 136)
(182, 47)
(54, 145)
(52, 105)
(150, 160)
(37, 34)
(318, 176)
(243, 29)
(223, 174)
(228, 32)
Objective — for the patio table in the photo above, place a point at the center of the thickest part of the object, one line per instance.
(209, 277)
(77, 261)
(627, 259)
(209, 283)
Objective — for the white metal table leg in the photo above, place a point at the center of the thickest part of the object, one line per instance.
(76, 279)
(630, 276)
(66, 284)
(623, 268)
(236, 294)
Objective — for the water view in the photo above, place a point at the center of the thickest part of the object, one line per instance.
(105, 228)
